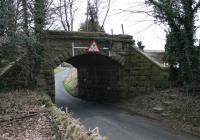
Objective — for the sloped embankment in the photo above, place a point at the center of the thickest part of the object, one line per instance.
(70, 82)
(29, 115)
(174, 106)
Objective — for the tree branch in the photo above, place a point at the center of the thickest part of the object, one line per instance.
(196, 7)
(108, 9)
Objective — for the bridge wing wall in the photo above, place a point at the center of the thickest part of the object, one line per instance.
(145, 74)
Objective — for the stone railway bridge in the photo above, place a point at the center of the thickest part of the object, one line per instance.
(118, 70)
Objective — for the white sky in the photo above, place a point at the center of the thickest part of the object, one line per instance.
(140, 26)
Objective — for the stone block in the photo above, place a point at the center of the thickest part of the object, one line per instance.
(158, 109)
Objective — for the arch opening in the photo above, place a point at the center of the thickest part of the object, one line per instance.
(67, 73)
(99, 77)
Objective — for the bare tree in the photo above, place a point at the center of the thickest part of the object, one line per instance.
(66, 10)
(99, 9)
(106, 14)
(102, 9)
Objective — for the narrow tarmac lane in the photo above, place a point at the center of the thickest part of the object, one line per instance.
(113, 123)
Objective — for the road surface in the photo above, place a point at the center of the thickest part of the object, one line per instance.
(113, 123)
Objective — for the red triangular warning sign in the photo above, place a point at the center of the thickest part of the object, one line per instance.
(93, 47)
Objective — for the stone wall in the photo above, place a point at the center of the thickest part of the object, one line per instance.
(145, 75)
(127, 72)
(58, 49)
(102, 82)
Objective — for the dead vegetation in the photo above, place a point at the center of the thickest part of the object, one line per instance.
(26, 115)
(71, 129)
(23, 116)
(179, 109)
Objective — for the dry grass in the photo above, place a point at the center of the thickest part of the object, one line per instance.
(26, 115)
(177, 107)
(71, 128)
(59, 69)
(23, 116)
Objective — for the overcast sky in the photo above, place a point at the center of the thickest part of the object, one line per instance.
(140, 26)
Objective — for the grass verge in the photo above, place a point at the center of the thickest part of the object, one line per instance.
(70, 83)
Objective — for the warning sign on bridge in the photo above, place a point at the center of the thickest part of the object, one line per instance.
(93, 47)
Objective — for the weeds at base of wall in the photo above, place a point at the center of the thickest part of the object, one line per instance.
(70, 128)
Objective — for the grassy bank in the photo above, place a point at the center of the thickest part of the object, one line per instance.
(59, 69)
(70, 83)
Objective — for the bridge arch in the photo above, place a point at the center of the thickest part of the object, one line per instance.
(99, 76)
(137, 72)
